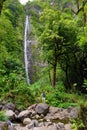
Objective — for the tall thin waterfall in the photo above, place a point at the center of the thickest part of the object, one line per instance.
(26, 43)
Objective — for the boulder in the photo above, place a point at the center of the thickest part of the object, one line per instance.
(24, 114)
(26, 121)
(42, 108)
(60, 126)
(34, 123)
(54, 110)
(10, 114)
(73, 112)
(9, 106)
(58, 117)
(32, 107)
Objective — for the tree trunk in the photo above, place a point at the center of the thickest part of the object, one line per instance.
(77, 2)
(54, 72)
(50, 77)
(67, 79)
(84, 14)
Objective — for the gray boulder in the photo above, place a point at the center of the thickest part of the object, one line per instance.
(60, 126)
(34, 123)
(26, 121)
(32, 107)
(58, 117)
(42, 108)
(9, 106)
(10, 114)
(73, 112)
(24, 114)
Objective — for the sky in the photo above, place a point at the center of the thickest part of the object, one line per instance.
(23, 1)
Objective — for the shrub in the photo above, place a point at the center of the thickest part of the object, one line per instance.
(3, 117)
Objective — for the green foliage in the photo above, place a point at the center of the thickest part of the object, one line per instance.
(20, 94)
(59, 98)
(61, 36)
(12, 72)
(3, 117)
(23, 96)
(77, 124)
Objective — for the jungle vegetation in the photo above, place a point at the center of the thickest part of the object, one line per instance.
(60, 29)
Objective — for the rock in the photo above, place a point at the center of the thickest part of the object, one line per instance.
(21, 128)
(33, 113)
(8, 122)
(3, 125)
(24, 114)
(41, 120)
(42, 116)
(54, 110)
(6, 126)
(52, 127)
(11, 128)
(26, 121)
(73, 112)
(48, 123)
(42, 108)
(58, 117)
(37, 117)
(34, 123)
(68, 126)
(41, 124)
(69, 109)
(10, 114)
(32, 107)
(60, 126)
(9, 106)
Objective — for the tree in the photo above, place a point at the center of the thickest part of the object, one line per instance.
(81, 8)
(1, 5)
(57, 35)
(11, 39)
(60, 35)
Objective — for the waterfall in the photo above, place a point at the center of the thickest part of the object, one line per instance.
(26, 46)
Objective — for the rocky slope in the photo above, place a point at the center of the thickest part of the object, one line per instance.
(38, 117)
